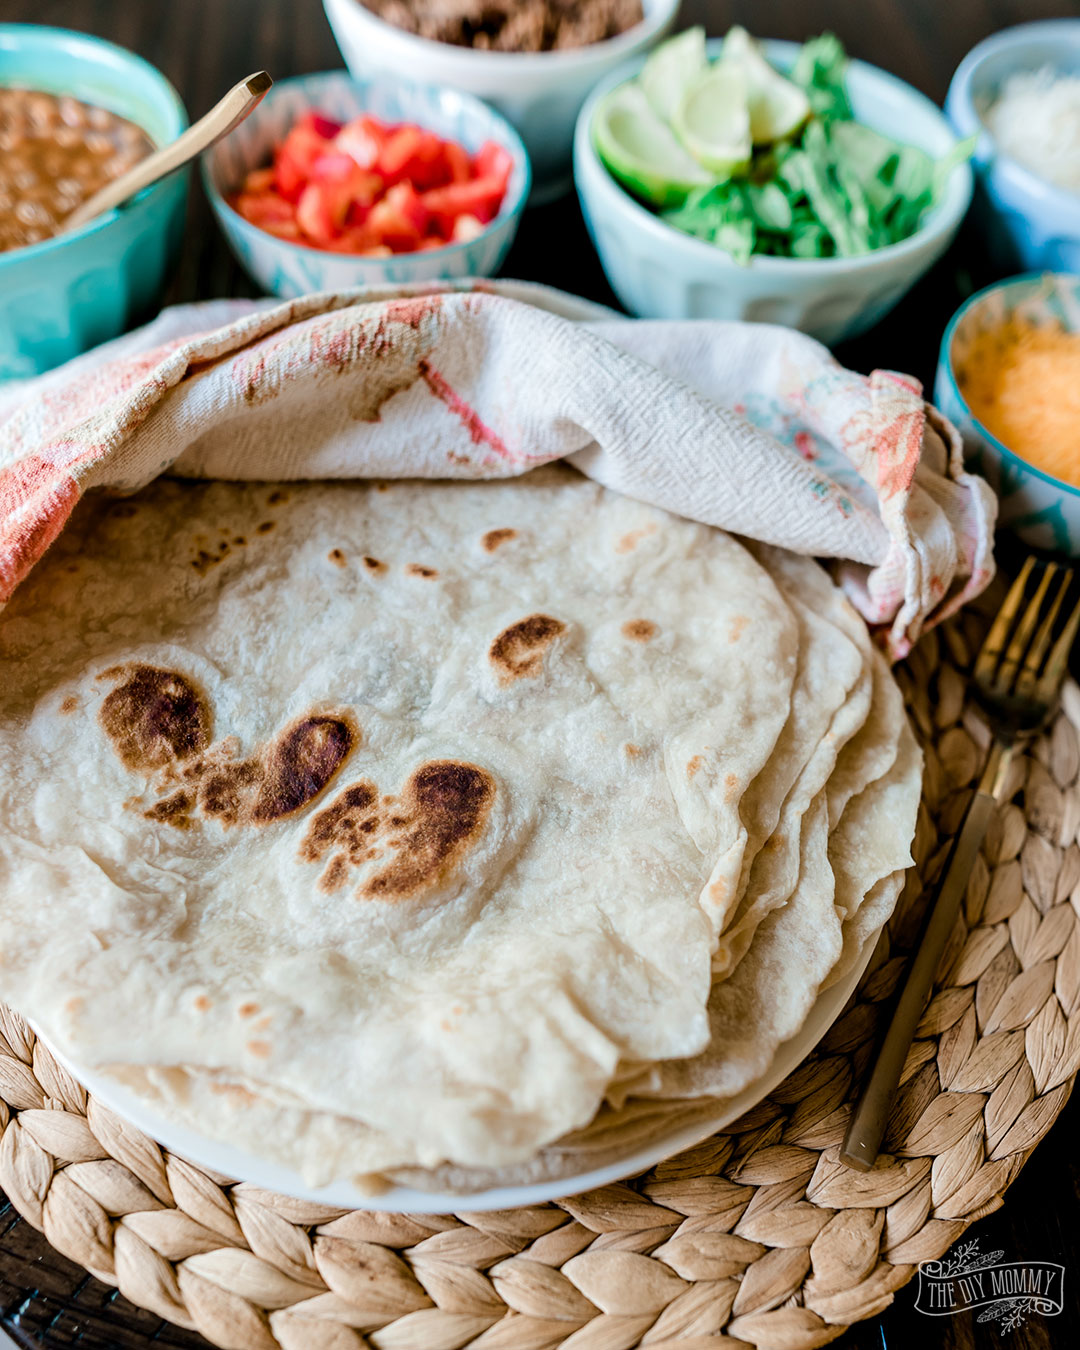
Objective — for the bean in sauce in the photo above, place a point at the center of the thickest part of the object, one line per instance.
(55, 152)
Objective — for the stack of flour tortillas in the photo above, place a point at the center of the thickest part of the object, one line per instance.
(446, 831)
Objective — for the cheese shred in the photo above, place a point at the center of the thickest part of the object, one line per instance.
(1022, 381)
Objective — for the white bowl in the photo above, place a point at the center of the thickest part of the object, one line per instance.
(287, 269)
(1033, 223)
(660, 273)
(540, 93)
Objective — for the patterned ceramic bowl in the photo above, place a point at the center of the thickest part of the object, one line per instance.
(1043, 511)
(1030, 222)
(288, 269)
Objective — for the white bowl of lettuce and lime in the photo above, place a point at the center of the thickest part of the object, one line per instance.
(766, 181)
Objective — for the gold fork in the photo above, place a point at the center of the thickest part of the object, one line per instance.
(1018, 676)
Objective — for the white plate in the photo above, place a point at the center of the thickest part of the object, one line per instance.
(243, 1165)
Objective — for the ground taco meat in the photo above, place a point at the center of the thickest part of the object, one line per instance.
(512, 25)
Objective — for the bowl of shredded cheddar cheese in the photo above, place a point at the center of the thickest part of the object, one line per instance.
(1009, 379)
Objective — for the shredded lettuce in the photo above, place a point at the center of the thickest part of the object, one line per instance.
(837, 189)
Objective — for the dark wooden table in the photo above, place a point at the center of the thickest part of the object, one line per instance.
(204, 46)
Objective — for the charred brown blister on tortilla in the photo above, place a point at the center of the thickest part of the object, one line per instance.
(518, 651)
(153, 717)
(441, 812)
(639, 630)
(496, 538)
(159, 725)
(278, 779)
(420, 570)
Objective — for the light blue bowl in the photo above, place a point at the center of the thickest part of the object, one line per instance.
(1042, 510)
(288, 269)
(61, 296)
(1032, 225)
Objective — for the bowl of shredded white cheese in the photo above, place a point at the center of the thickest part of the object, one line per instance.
(1019, 92)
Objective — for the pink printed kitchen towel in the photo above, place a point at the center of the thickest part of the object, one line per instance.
(749, 427)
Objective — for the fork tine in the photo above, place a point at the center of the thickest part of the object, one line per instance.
(1057, 664)
(1035, 660)
(994, 644)
(1021, 638)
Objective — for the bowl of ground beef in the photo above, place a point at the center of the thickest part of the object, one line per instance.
(535, 61)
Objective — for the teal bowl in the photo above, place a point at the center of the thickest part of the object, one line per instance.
(61, 296)
(1040, 509)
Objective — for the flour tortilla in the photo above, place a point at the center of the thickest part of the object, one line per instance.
(830, 703)
(563, 928)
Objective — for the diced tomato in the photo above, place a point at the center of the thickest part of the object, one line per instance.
(294, 158)
(259, 180)
(493, 161)
(320, 215)
(399, 220)
(457, 162)
(481, 197)
(373, 188)
(362, 138)
(262, 208)
(319, 123)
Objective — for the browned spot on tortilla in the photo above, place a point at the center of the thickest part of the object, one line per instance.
(260, 1049)
(263, 1022)
(731, 787)
(737, 627)
(248, 1009)
(419, 570)
(336, 556)
(639, 630)
(346, 824)
(448, 803)
(239, 541)
(300, 763)
(718, 891)
(335, 876)
(228, 789)
(276, 497)
(69, 704)
(632, 751)
(373, 564)
(276, 780)
(443, 808)
(494, 538)
(202, 1003)
(265, 526)
(173, 810)
(693, 765)
(154, 717)
(632, 538)
(518, 651)
(382, 487)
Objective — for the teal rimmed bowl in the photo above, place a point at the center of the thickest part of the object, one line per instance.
(1042, 510)
(61, 296)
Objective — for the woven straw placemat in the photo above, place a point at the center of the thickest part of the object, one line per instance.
(758, 1234)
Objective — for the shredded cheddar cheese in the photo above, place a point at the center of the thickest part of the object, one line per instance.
(1022, 381)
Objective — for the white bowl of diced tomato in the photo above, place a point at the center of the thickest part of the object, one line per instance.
(335, 182)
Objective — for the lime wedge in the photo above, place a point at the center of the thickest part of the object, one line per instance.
(673, 66)
(713, 120)
(641, 151)
(778, 108)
